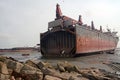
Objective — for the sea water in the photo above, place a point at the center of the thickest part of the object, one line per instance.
(95, 60)
(20, 56)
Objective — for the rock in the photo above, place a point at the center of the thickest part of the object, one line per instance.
(4, 77)
(18, 67)
(3, 68)
(44, 64)
(30, 73)
(93, 74)
(27, 69)
(31, 63)
(14, 65)
(67, 75)
(48, 77)
(48, 71)
(65, 66)
(55, 73)
(12, 78)
(11, 64)
(71, 78)
(63, 75)
(76, 69)
(61, 68)
(11, 69)
(18, 78)
(52, 72)
(2, 58)
(110, 75)
(77, 78)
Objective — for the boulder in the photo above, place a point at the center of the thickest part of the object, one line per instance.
(18, 78)
(31, 63)
(12, 78)
(48, 77)
(30, 73)
(93, 74)
(62, 75)
(77, 78)
(2, 59)
(44, 65)
(52, 72)
(67, 75)
(65, 66)
(14, 65)
(11, 69)
(60, 68)
(55, 73)
(4, 76)
(3, 68)
(27, 69)
(76, 69)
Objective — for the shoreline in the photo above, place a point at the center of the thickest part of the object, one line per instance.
(43, 70)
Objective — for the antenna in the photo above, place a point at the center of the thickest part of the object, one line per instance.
(101, 28)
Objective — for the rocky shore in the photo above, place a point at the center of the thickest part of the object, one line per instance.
(11, 69)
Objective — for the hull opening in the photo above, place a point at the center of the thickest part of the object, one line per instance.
(60, 43)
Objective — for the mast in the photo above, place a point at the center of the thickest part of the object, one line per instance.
(80, 20)
(92, 25)
(101, 28)
(58, 12)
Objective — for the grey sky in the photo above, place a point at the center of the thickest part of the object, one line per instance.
(21, 21)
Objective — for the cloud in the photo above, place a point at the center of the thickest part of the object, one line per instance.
(21, 21)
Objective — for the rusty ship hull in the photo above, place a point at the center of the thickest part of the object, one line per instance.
(67, 37)
(94, 41)
(66, 43)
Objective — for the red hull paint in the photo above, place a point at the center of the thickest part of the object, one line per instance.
(86, 45)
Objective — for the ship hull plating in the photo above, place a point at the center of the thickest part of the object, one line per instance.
(88, 41)
(66, 43)
(59, 43)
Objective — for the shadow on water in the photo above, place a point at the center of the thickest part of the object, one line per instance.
(85, 58)
(87, 54)
(75, 58)
(55, 58)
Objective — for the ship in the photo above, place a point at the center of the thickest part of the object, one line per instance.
(67, 37)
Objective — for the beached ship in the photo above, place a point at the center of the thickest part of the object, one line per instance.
(67, 37)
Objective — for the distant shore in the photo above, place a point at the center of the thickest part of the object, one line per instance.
(20, 49)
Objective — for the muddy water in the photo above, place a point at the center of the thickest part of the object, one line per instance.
(95, 60)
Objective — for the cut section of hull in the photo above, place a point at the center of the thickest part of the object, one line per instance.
(60, 43)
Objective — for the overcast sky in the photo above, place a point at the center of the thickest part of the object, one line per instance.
(22, 21)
